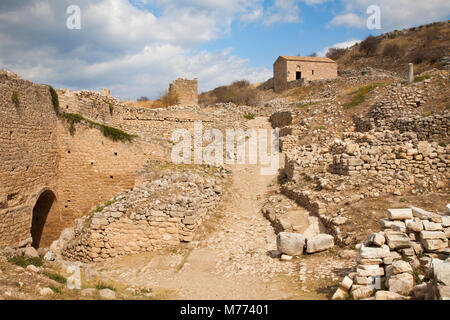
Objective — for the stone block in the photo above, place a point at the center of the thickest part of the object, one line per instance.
(319, 242)
(291, 244)
(400, 214)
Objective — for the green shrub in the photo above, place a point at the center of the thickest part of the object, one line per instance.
(25, 262)
(421, 78)
(442, 144)
(55, 277)
(249, 116)
(109, 132)
(360, 95)
(335, 53)
(55, 99)
(15, 98)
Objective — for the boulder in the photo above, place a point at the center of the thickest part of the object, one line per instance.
(30, 252)
(107, 294)
(402, 283)
(50, 256)
(291, 244)
(414, 225)
(45, 292)
(319, 243)
(88, 292)
(375, 239)
(399, 266)
(346, 283)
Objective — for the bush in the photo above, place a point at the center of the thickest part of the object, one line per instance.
(15, 98)
(335, 53)
(370, 45)
(142, 99)
(239, 92)
(392, 50)
(249, 116)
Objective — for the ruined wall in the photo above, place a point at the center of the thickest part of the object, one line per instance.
(162, 211)
(388, 151)
(93, 168)
(185, 90)
(28, 155)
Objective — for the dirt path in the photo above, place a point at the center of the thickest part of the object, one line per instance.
(232, 262)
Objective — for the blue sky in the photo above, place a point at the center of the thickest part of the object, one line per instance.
(137, 47)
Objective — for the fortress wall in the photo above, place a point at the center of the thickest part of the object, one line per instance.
(28, 155)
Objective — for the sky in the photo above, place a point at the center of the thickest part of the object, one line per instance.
(137, 47)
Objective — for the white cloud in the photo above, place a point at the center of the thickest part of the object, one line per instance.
(348, 20)
(340, 45)
(123, 46)
(396, 14)
(287, 11)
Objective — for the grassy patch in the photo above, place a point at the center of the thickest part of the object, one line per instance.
(359, 96)
(249, 116)
(109, 132)
(421, 78)
(442, 144)
(55, 99)
(102, 285)
(105, 205)
(15, 98)
(55, 289)
(55, 277)
(25, 262)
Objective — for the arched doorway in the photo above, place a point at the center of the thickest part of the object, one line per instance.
(41, 211)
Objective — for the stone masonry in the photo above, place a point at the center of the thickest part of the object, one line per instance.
(185, 90)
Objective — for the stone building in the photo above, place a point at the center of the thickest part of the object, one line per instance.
(290, 71)
(185, 90)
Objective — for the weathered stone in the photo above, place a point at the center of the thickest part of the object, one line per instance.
(374, 253)
(291, 244)
(50, 256)
(394, 225)
(107, 294)
(446, 221)
(400, 266)
(31, 252)
(346, 283)
(431, 226)
(375, 239)
(362, 292)
(400, 214)
(340, 294)
(45, 292)
(369, 271)
(434, 244)
(319, 243)
(388, 295)
(33, 268)
(415, 225)
(397, 240)
(402, 283)
(432, 235)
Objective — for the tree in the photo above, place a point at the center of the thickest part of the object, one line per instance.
(370, 45)
(142, 99)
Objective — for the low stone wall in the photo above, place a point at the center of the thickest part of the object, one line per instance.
(394, 264)
(424, 127)
(162, 212)
(387, 151)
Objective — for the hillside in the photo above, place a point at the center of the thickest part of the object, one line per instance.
(426, 46)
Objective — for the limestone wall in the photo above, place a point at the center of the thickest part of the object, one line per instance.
(162, 211)
(28, 155)
(185, 90)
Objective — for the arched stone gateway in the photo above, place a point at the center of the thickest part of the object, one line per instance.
(45, 220)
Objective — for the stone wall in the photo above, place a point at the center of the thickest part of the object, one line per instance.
(185, 90)
(387, 151)
(28, 156)
(163, 211)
